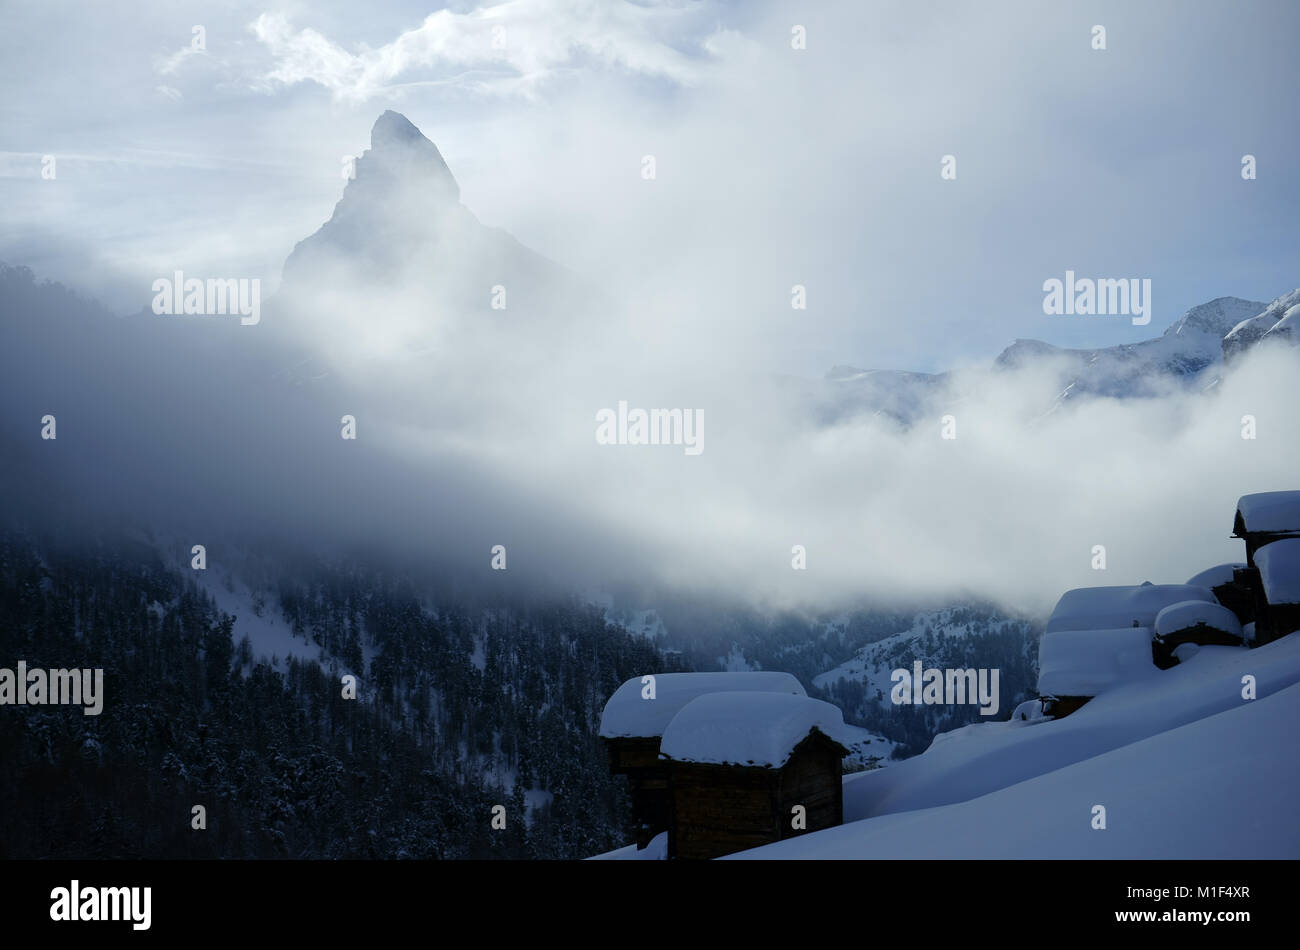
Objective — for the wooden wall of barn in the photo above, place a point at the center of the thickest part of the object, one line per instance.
(812, 778)
(720, 809)
(647, 783)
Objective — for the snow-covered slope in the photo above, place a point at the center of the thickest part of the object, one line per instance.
(932, 639)
(257, 617)
(1214, 788)
(1182, 763)
(867, 749)
(1263, 322)
(1285, 329)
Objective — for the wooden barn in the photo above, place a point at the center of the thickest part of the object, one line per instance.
(633, 724)
(1266, 517)
(1076, 665)
(1193, 621)
(1098, 637)
(1278, 606)
(748, 769)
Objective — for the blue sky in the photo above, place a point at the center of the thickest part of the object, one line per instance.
(775, 166)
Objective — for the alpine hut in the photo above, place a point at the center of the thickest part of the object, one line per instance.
(747, 769)
(634, 721)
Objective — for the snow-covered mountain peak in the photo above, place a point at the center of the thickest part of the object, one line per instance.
(399, 201)
(1217, 317)
(393, 127)
(398, 148)
(402, 245)
(1023, 351)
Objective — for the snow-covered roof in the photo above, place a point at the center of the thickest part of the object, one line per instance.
(1103, 608)
(1189, 613)
(1214, 576)
(749, 729)
(1272, 512)
(1089, 662)
(1279, 570)
(629, 715)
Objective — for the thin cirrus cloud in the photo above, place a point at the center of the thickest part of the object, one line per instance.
(509, 49)
(168, 65)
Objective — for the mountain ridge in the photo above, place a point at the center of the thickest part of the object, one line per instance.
(1191, 353)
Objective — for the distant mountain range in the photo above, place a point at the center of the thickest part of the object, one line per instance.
(1192, 354)
(400, 229)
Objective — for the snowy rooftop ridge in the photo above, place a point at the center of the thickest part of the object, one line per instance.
(628, 714)
(1268, 511)
(1219, 574)
(752, 729)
